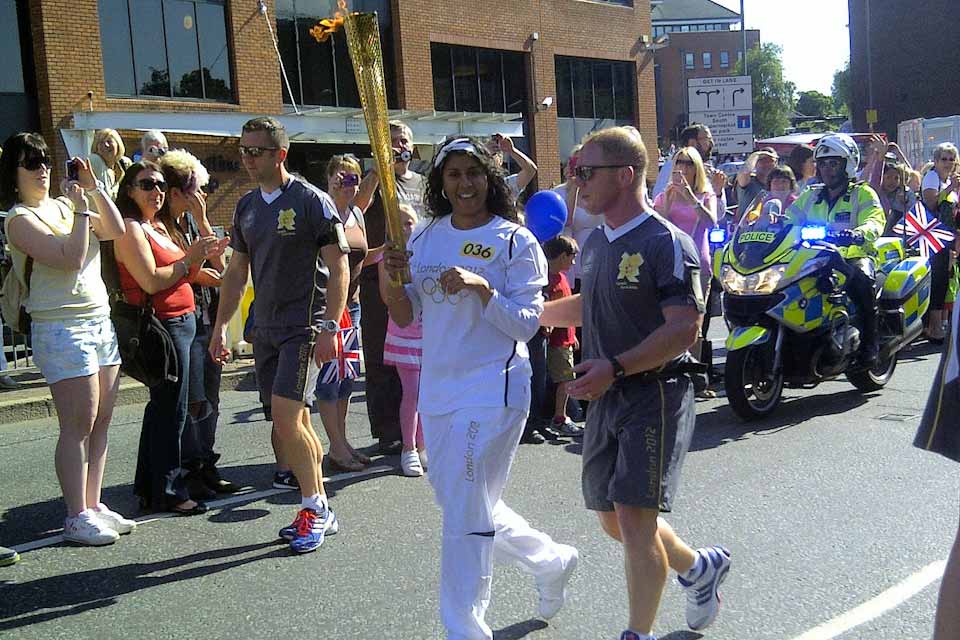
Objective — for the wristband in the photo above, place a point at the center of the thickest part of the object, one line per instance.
(99, 186)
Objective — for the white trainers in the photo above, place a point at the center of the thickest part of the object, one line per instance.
(86, 528)
(703, 597)
(114, 520)
(553, 589)
(410, 464)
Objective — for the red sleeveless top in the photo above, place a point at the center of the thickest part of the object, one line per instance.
(172, 302)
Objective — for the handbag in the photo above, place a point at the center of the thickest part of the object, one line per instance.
(147, 352)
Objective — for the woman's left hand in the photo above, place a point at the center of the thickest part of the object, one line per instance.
(85, 176)
(456, 279)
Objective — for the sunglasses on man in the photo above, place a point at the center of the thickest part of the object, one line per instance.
(831, 163)
(35, 162)
(349, 180)
(255, 152)
(584, 172)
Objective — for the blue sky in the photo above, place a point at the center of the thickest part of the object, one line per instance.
(813, 35)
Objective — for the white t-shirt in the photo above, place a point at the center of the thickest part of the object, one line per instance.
(476, 356)
(583, 225)
(932, 181)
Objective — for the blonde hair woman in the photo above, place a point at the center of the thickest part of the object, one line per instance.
(105, 154)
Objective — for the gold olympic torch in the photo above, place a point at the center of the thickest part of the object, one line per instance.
(363, 42)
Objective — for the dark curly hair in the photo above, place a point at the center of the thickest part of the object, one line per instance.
(500, 200)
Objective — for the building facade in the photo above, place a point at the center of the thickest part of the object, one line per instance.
(545, 72)
(693, 39)
(893, 67)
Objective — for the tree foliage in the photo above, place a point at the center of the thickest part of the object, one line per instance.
(772, 93)
(841, 93)
(814, 103)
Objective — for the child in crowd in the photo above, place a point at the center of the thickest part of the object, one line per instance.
(401, 349)
(561, 252)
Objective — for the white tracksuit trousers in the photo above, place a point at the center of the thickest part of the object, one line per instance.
(471, 451)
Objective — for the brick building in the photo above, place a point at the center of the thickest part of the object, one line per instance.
(546, 71)
(893, 56)
(693, 40)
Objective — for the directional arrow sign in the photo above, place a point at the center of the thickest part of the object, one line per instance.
(725, 104)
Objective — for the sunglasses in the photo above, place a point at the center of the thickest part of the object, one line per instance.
(156, 150)
(34, 163)
(584, 173)
(948, 159)
(149, 185)
(255, 152)
(349, 180)
(831, 163)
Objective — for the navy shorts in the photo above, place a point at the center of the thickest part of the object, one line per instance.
(284, 363)
(634, 444)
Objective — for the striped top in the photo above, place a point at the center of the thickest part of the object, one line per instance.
(402, 347)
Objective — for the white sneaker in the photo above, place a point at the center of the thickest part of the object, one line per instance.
(410, 464)
(114, 520)
(553, 589)
(423, 458)
(85, 528)
(703, 596)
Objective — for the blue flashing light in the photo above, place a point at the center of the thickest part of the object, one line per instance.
(815, 232)
(718, 235)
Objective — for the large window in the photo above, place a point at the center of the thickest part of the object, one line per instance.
(482, 80)
(595, 89)
(18, 105)
(167, 48)
(321, 73)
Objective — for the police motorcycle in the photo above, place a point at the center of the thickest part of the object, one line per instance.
(790, 320)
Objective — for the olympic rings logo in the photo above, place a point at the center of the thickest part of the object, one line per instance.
(432, 289)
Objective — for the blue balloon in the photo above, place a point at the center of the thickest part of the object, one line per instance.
(546, 214)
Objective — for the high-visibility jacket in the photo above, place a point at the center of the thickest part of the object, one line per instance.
(858, 209)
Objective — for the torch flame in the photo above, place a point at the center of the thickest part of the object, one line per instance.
(322, 31)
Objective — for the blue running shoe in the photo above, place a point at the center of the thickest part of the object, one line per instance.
(630, 635)
(703, 596)
(311, 529)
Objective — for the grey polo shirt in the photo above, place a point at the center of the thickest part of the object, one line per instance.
(628, 275)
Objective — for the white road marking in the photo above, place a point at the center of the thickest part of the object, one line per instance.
(878, 605)
(236, 498)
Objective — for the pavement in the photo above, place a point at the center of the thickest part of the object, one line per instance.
(32, 399)
(837, 525)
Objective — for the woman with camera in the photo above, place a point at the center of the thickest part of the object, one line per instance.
(156, 268)
(56, 256)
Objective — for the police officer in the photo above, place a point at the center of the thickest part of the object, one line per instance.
(853, 210)
(641, 416)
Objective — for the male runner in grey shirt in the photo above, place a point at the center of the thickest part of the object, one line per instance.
(641, 307)
(289, 234)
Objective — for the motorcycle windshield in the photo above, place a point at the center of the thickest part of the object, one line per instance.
(759, 233)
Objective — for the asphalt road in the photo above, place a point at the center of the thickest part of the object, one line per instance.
(825, 507)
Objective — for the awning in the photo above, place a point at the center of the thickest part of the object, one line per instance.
(324, 125)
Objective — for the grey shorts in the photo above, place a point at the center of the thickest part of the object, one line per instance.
(284, 363)
(634, 444)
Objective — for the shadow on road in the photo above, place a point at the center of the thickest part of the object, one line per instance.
(519, 630)
(55, 597)
(722, 426)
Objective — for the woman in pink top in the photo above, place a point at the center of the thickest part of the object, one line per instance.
(690, 203)
(401, 349)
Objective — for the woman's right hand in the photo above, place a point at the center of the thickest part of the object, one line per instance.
(73, 190)
(204, 248)
(396, 260)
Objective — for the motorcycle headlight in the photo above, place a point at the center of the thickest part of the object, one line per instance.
(762, 283)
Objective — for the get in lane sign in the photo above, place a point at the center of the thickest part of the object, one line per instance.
(725, 105)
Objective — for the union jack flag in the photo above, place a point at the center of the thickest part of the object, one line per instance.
(921, 228)
(346, 366)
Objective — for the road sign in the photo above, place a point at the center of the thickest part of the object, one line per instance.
(725, 105)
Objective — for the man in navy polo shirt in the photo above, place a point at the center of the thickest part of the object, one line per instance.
(288, 232)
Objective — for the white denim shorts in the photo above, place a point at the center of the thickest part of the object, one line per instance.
(74, 348)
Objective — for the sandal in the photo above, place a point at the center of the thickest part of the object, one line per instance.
(348, 466)
(197, 509)
(360, 457)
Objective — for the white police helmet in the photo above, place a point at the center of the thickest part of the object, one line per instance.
(840, 145)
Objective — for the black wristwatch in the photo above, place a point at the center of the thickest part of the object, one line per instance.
(618, 370)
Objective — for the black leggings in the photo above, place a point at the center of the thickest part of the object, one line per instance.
(940, 279)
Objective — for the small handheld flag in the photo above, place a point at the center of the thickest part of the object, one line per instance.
(922, 229)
